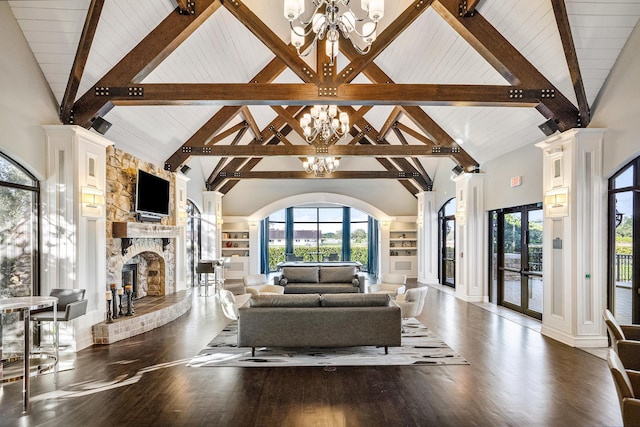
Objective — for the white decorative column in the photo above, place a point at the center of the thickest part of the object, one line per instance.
(254, 246)
(574, 244)
(211, 225)
(181, 220)
(470, 232)
(385, 227)
(73, 225)
(427, 222)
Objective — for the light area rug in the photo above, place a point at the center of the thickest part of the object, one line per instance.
(420, 347)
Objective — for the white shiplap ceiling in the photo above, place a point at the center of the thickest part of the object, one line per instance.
(223, 50)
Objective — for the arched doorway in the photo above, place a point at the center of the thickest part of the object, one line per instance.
(447, 233)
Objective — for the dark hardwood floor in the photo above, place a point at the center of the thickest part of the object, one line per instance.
(516, 377)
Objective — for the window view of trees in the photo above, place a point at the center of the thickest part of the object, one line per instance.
(18, 230)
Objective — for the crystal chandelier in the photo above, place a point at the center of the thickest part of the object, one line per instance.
(320, 165)
(331, 23)
(324, 122)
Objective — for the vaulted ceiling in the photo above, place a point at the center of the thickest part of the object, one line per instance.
(217, 82)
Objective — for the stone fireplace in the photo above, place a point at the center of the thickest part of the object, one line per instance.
(144, 256)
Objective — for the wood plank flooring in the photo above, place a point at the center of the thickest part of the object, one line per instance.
(515, 377)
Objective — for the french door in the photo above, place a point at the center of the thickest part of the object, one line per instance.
(518, 237)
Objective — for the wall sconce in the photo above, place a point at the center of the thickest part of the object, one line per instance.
(557, 202)
(253, 222)
(461, 216)
(92, 201)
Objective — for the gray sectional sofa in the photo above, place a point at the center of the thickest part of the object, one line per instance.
(320, 279)
(313, 320)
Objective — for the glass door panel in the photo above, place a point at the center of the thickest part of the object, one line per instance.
(623, 263)
(512, 259)
(449, 252)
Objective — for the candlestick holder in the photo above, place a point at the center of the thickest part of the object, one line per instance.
(109, 317)
(115, 303)
(120, 306)
(129, 303)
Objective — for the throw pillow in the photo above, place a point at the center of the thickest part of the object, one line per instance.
(356, 282)
(284, 281)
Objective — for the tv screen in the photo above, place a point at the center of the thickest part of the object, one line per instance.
(152, 194)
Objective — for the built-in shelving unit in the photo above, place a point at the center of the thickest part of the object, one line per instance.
(234, 242)
(403, 248)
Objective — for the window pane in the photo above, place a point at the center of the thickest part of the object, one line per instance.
(277, 216)
(359, 242)
(305, 214)
(625, 179)
(11, 173)
(450, 207)
(330, 215)
(623, 274)
(305, 240)
(358, 216)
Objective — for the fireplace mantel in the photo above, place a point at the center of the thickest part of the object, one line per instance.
(136, 230)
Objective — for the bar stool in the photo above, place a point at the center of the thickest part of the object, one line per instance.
(206, 268)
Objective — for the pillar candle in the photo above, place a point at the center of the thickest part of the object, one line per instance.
(120, 291)
(108, 295)
(112, 286)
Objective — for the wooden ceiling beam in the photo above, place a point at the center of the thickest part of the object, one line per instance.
(142, 59)
(385, 38)
(414, 133)
(307, 93)
(305, 150)
(508, 61)
(301, 174)
(286, 53)
(562, 20)
(80, 60)
(415, 160)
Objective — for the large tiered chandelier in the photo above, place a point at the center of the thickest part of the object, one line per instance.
(320, 165)
(324, 123)
(331, 23)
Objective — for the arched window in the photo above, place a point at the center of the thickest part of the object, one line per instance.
(447, 232)
(19, 220)
(194, 241)
(624, 251)
(327, 233)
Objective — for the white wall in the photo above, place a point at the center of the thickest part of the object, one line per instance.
(26, 102)
(249, 196)
(525, 162)
(617, 108)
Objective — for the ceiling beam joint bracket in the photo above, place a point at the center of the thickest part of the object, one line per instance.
(516, 94)
(548, 93)
(463, 10)
(324, 90)
(102, 90)
(135, 91)
(234, 3)
(187, 7)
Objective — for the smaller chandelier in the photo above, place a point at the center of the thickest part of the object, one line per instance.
(320, 165)
(324, 122)
(331, 23)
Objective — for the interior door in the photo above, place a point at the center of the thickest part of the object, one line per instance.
(519, 256)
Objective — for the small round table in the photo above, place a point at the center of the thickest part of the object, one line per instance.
(24, 305)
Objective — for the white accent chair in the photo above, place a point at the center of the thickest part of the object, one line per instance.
(230, 303)
(412, 302)
(256, 284)
(390, 283)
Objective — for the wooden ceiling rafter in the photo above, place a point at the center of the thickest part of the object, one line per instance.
(508, 61)
(285, 52)
(220, 118)
(223, 160)
(80, 60)
(141, 60)
(251, 122)
(562, 20)
(385, 38)
(415, 160)
(389, 123)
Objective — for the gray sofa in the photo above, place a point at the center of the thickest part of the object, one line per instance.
(320, 279)
(313, 320)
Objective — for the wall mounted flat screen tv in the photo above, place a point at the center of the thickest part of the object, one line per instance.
(152, 194)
